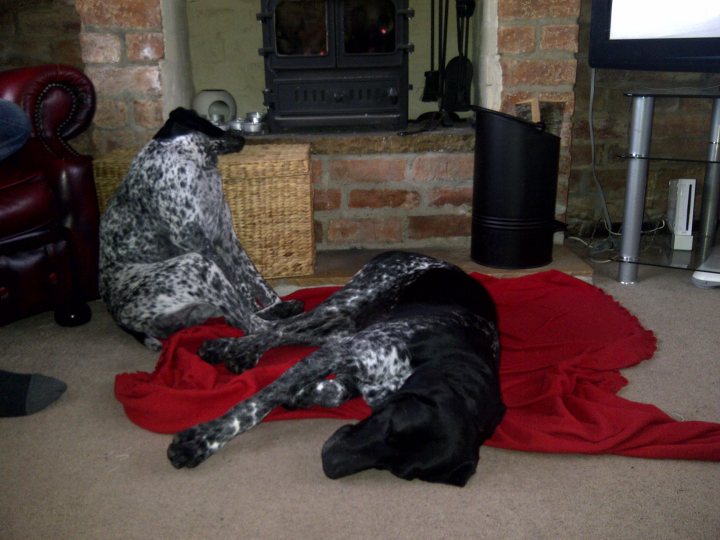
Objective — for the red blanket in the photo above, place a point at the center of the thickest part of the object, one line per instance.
(563, 344)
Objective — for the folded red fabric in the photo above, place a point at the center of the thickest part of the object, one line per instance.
(563, 344)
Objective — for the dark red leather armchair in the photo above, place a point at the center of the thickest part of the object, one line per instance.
(48, 203)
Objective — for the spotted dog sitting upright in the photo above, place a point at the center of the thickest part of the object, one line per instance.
(169, 257)
(415, 337)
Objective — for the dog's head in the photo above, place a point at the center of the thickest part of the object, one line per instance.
(427, 430)
(184, 121)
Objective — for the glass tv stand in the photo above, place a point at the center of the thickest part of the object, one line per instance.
(705, 255)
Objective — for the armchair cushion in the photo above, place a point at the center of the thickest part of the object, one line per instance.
(27, 203)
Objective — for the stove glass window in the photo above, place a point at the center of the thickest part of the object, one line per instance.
(301, 28)
(369, 26)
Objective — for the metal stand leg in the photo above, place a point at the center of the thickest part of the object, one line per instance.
(711, 186)
(636, 184)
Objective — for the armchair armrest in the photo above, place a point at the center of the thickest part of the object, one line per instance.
(59, 99)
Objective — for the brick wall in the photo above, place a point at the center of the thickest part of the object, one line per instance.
(537, 45)
(39, 32)
(122, 46)
(34, 32)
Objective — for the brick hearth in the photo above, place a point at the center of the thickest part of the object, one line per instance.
(382, 189)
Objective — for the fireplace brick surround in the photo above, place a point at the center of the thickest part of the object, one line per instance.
(373, 190)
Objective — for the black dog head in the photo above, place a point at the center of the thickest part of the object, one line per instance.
(184, 121)
(427, 430)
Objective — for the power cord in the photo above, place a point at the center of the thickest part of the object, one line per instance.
(611, 242)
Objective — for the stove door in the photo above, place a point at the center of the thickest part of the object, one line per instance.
(335, 63)
(298, 35)
(374, 33)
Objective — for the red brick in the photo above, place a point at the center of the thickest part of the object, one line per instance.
(513, 96)
(114, 81)
(559, 38)
(60, 20)
(539, 72)
(581, 154)
(66, 51)
(367, 170)
(120, 13)
(7, 24)
(100, 48)
(316, 170)
(148, 113)
(605, 128)
(383, 198)
(516, 39)
(110, 113)
(146, 46)
(28, 50)
(673, 124)
(538, 9)
(326, 199)
(689, 147)
(422, 227)
(318, 231)
(364, 231)
(451, 196)
(443, 166)
(105, 140)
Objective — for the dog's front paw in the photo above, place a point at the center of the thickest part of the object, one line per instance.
(238, 354)
(190, 448)
(281, 310)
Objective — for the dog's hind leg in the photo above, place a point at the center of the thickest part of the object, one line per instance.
(240, 269)
(161, 298)
(364, 299)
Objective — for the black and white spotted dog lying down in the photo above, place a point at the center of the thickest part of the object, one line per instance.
(415, 337)
(169, 257)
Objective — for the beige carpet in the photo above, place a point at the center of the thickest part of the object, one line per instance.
(81, 470)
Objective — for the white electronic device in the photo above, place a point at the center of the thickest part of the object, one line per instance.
(708, 273)
(681, 205)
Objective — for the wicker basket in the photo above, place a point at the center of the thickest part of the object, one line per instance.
(269, 191)
(109, 171)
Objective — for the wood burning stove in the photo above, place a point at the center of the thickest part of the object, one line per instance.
(336, 64)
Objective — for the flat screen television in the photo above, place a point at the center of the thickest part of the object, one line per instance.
(655, 35)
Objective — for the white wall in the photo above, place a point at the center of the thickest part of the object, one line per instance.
(176, 67)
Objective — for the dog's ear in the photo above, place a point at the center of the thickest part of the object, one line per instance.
(436, 438)
(183, 121)
(228, 143)
(460, 475)
(409, 438)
